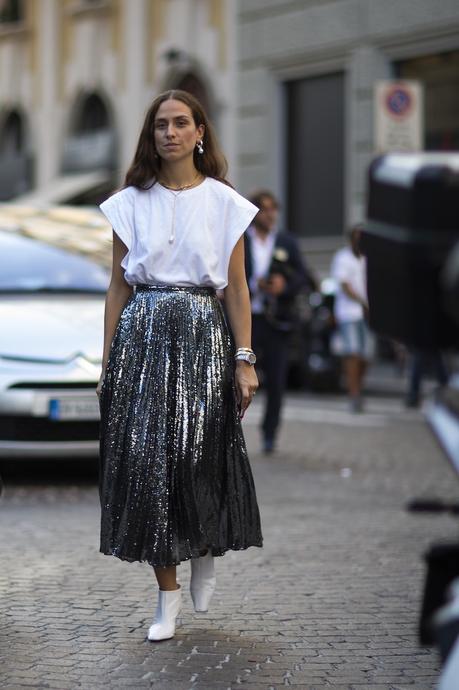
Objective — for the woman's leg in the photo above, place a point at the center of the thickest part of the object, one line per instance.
(168, 606)
(203, 580)
(167, 578)
(353, 376)
(363, 366)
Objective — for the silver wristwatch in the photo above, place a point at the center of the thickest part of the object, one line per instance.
(246, 355)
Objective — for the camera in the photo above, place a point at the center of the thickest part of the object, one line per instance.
(411, 241)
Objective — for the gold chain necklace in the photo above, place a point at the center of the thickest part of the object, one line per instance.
(176, 191)
(180, 189)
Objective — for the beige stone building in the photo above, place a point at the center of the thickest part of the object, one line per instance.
(76, 78)
(288, 83)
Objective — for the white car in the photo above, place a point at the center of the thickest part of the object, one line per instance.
(51, 340)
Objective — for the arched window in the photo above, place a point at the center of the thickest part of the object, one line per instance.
(91, 143)
(11, 11)
(93, 115)
(12, 134)
(191, 83)
(15, 160)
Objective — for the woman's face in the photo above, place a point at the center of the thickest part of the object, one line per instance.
(176, 133)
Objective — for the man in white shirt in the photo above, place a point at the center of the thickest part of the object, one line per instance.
(351, 311)
(275, 274)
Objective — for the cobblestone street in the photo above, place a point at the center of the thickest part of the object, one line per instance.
(330, 601)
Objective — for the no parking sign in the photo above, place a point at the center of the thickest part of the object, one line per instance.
(398, 116)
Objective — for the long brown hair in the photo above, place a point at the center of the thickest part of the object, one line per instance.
(144, 169)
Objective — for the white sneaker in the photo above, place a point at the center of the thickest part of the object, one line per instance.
(203, 581)
(167, 610)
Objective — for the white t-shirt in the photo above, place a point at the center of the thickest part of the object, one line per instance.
(262, 252)
(209, 220)
(348, 268)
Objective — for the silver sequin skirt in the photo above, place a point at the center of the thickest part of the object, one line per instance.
(174, 473)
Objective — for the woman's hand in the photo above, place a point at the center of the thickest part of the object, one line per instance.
(99, 385)
(246, 385)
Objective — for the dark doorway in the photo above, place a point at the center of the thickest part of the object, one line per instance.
(93, 115)
(90, 147)
(439, 75)
(11, 11)
(315, 156)
(15, 161)
(91, 143)
(12, 134)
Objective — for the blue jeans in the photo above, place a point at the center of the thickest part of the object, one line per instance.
(356, 338)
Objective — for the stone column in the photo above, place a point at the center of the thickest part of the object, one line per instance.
(367, 64)
(49, 141)
(135, 97)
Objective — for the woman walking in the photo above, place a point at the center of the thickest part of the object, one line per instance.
(175, 479)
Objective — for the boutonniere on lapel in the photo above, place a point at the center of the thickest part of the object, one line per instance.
(280, 262)
(280, 254)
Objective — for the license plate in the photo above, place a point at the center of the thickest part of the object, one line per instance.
(74, 408)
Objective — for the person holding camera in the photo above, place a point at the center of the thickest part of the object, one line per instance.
(275, 274)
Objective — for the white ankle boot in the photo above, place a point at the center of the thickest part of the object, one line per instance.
(167, 610)
(203, 581)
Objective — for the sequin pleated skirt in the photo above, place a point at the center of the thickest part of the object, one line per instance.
(174, 473)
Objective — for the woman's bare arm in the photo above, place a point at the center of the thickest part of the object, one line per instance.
(237, 302)
(117, 295)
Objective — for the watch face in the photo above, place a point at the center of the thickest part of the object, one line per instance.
(247, 357)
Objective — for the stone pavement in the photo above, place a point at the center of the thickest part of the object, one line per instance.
(330, 601)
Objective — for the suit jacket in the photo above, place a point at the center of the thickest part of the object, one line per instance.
(288, 261)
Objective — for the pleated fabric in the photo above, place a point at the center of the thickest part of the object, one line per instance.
(174, 477)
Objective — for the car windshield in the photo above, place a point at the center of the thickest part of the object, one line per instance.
(27, 265)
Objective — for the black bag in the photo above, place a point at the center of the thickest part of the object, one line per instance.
(281, 311)
(413, 225)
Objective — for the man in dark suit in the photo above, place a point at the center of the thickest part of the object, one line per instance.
(275, 274)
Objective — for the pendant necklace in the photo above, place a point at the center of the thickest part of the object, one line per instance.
(176, 191)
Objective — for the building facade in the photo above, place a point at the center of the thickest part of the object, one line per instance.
(288, 83)
(306, 72)
(77, 76)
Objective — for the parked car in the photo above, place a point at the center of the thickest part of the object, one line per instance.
(51, 338)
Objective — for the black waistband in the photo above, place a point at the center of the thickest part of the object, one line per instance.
(205, 289)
